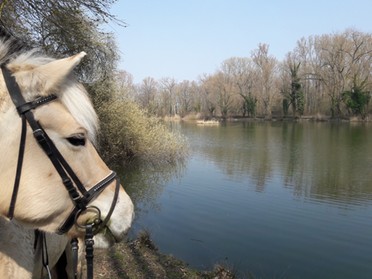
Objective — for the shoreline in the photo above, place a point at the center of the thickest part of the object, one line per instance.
(198, 119)
(140, 258)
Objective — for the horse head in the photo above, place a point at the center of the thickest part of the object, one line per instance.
(70, 123)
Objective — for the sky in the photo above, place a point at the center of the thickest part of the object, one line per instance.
(184, 39)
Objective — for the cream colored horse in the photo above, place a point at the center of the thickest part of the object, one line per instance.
(43, 202)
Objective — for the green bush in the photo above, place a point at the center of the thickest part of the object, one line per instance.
(357, 100)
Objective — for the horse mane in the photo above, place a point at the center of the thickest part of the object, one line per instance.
(74, 98)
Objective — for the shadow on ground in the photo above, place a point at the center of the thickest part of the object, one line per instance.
(140, 259)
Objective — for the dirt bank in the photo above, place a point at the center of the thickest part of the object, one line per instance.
(140, 259)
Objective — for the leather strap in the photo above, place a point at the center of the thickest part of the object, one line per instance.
(17, 179)
(75, 256)
(89, 255)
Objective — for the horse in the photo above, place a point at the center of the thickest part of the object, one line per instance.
(51, 176)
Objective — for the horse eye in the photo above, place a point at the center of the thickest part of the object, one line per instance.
(77, 140)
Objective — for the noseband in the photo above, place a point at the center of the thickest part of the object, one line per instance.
(77, 192)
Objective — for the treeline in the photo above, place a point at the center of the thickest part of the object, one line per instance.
(324, 76)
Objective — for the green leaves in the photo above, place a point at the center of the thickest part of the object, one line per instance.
(357, 100)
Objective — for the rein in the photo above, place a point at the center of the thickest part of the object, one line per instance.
(77, 192)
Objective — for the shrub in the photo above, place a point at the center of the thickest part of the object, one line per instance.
(357, 100)
(128, 134)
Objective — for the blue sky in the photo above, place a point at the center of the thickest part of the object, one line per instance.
(183, 39)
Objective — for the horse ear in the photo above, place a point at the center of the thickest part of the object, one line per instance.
(56, 71)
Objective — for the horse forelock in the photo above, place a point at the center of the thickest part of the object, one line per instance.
(71, 93)
(76, 100)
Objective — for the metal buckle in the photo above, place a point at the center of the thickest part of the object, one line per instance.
(42, 139)
(39, 135)
(96, 222)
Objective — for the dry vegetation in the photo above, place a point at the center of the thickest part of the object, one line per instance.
(129, 134)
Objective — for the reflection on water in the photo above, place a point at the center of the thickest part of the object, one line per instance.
(320, 160)
(146, 183)
(286, 200)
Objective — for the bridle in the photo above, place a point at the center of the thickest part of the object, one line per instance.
(80, 196)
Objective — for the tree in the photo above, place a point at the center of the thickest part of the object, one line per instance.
(64, 28)
(125, 85)
(266, 66)
(148, 90)
(197, 96)
(305, 54)
(224, 93)
(184, 98)
(249, 106)
(292, 92)
(241, 70)
(329, 64)
(344, 56)
(168, 105)
(356, 99)
(226, 86)
(209, 95)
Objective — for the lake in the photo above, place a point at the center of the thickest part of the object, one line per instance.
(271, 199)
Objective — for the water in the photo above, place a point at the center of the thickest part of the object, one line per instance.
(276, 200)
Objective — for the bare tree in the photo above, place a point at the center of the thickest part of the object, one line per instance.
(184, 98)
(266, 66)
(169, 105)
(148, 91)
(306, 54)
(243, 76)
(196, 92)
(209, 95)
(226, 86)
(125, 86)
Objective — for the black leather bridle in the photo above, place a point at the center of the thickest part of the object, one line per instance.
(80, 196)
